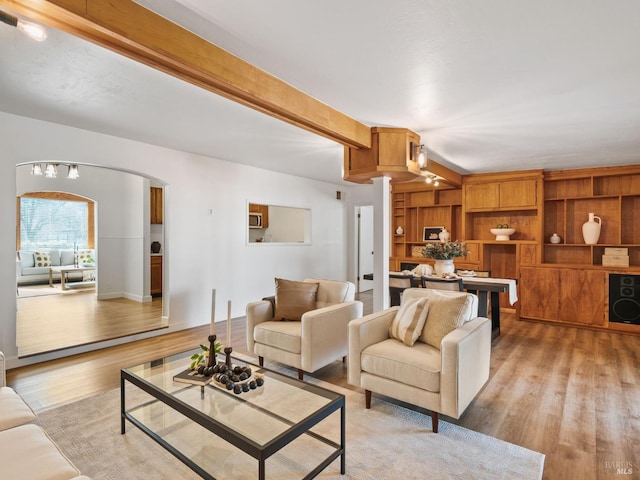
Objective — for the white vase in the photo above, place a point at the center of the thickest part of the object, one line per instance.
(444, 235)
(444, 266)
(591, 229)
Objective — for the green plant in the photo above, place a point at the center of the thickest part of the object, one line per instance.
(198, 358)
(445, 250)
(89, 260)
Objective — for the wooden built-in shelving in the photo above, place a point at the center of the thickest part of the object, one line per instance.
(564, 282)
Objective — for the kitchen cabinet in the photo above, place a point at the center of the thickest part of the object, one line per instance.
(156, 275)
(156, 205)
(263, 210)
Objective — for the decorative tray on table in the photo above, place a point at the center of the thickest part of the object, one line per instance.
(236, 378)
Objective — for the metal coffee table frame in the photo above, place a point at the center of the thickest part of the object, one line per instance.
(252, 448)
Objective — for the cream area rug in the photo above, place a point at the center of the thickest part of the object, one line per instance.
(385, 442)
(38, 291)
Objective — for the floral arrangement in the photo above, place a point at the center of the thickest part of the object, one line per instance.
(200, 358)
(445, 250)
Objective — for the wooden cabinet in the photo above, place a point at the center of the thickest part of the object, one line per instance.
(156, 275)
(510, 198)
(413, 208)
(263, 210)
(156, 205)
(511, 194)
(567, 295)
(482, 196)
(499, 198)
(613, 194)
(564, 282)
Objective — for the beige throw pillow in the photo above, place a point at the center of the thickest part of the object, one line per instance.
(84, 256)
(42, 259)
(409, 321)
(294, 299)
(446, 313)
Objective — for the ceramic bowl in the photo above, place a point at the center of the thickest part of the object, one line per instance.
(503, 233)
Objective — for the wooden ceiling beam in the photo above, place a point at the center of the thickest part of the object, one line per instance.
(140, 34)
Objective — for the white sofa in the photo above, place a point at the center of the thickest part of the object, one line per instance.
(28, 272)
(26, 452)
(443, 380)
(317, 339)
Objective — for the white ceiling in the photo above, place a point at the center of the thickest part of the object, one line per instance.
(490, 86)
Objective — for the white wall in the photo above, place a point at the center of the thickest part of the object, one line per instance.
(289, 224)
(357, 196)
(202, 251)
(123, 245)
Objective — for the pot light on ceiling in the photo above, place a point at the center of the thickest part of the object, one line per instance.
(33, 30)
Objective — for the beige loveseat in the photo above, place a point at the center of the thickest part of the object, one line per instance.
(319, 338)
(442, 376)
(26, 452)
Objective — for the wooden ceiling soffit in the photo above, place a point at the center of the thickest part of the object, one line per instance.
(133, 31)
(391, 156)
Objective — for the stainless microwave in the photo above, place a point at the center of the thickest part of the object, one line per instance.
(255, 220)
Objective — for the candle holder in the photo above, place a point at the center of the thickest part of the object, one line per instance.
(212, 350)
(227, 352)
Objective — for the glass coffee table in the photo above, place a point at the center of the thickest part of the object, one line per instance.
(299, 427)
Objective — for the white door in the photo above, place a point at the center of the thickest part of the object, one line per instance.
(365, 246)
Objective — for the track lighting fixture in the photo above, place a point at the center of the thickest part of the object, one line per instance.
(432, 180)
(73, 172)
(51, 170)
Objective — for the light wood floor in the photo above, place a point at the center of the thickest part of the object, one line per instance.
(571, 394)
(74, 317)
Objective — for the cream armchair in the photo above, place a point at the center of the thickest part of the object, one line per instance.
(445, 379)
(319, 338)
